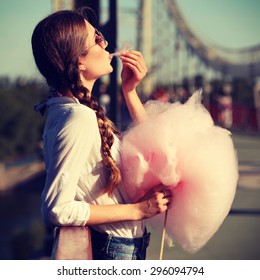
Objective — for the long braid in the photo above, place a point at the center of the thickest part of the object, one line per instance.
(58, 41)
(106, 130)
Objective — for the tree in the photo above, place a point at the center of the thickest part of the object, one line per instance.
(20, 126)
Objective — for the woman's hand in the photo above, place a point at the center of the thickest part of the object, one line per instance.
(134, 70)
(154, 202)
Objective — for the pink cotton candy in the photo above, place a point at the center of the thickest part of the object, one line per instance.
(181, 147)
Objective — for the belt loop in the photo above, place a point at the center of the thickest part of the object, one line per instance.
(109, 238)
(144, 237)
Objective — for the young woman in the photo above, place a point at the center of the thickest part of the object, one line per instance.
(81, 146)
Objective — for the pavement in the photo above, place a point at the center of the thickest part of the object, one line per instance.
(238, 237)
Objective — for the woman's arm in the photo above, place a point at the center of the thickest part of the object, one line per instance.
(134, 70)
(67, 150)
(151, 204)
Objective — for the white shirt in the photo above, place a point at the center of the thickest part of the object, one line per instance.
(76, 176)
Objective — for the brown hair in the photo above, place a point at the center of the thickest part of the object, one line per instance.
(57, 42)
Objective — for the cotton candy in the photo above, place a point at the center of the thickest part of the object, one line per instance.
(180, 147)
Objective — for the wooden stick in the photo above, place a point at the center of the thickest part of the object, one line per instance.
(163, 235)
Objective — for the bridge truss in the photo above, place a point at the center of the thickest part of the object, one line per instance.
(179, 52)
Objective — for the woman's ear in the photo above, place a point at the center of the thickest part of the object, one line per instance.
(81, 65)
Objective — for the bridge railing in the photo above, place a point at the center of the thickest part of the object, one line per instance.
(72, 243)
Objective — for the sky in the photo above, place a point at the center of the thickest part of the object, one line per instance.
(228, 23)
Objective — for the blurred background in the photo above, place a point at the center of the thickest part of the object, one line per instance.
(208, 44)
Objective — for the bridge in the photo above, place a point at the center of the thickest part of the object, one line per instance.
(168, 66)
(179, 52)
(177, 57)
(181, 61)
(235, 62)
(165, 18)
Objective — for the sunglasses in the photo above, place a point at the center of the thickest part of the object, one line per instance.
(99, 40)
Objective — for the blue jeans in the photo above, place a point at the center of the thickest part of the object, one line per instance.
(108, 247)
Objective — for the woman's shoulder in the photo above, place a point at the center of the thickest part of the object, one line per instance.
(80, 110)
(81, 115)
(66, 113)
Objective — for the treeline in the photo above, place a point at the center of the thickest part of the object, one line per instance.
(20, 126)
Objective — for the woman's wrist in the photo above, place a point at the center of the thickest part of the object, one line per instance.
(127, 93)
(138, 211)
(135, 106)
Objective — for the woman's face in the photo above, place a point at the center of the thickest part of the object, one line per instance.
(95, 61)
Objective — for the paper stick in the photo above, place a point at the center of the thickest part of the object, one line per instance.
(163, 235)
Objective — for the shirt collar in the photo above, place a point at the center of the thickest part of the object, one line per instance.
(54, 98)
(61, 100)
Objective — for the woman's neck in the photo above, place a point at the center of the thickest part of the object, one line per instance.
(66, 92)
(87, 84)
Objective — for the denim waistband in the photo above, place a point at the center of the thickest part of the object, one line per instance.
(103, 242)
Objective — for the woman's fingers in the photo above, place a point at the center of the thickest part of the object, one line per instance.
(134, 60)
(160, 201)
(134, 70)
(165, 197)
(156, 201)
